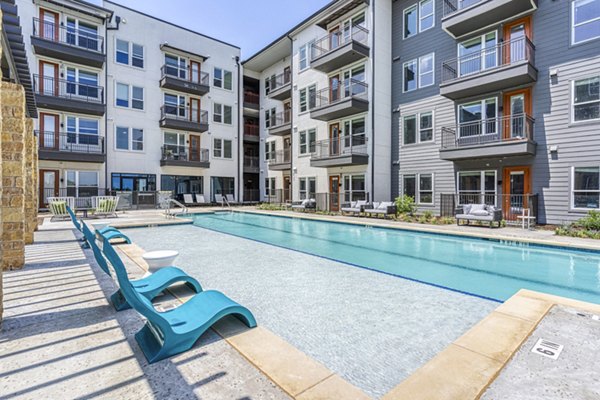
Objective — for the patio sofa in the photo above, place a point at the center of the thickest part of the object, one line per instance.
(305, 205)
(385, 208)
(354, 207)
(478, 212)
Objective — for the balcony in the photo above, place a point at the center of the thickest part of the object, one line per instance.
(496, 68)
(349, 97)
(183, 156)
(281, 124)
(281, 160)
(63, 95)
(251, 133)
(338, 49)
(464, 16)
(340, 152)
(251, 164)
(280, 86)
(68, 44)
(499, 137)
(251, 100)
(71, 147)
(183, 118)
(184, 80)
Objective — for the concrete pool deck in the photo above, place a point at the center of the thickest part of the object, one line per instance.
(73, 355)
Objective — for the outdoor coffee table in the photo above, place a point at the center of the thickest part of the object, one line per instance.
(84, 210)
(159, 259)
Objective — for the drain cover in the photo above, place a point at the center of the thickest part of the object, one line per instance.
(547, 348)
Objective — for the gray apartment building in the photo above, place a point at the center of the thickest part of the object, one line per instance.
(497, 101)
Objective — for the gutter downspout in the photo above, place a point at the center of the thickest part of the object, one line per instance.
(106, 29)
(372, 157)
(239, 122)
(291, 189)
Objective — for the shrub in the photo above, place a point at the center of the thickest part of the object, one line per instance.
(590, 222)
(270, 207)
(405, 205)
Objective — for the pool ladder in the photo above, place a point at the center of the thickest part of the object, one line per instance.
(171, 212)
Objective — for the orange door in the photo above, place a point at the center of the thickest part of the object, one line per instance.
(48, 25)
(516, 34)
(516, 185)
(334, 193)
(517, 106)
(48, 84)
(49, 132)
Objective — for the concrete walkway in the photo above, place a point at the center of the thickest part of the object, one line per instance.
(62, 339)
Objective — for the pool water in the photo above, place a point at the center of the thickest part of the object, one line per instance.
(485, 268)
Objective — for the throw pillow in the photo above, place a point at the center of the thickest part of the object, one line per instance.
(480, 213)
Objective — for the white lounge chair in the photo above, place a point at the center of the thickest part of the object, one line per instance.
(188, 199)
(58, 206)
(230, 199)
(219, 199)
(385, 208)
(305, 205)
(200, 199)
(355, 207)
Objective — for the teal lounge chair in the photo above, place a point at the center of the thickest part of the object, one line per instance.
(175, 331)
(114, 233)
(149, 286)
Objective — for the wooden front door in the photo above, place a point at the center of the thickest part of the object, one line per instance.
(48, 185)
(334, 139)
(49, 131)
(48, 84)
(517, 106)
(194, 71)
(194, 148)
(515, 38)
(334, 193)
(48, 25)
(516, 185)
(195, 110)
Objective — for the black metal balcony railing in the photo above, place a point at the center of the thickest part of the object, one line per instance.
(502, 54)
(184, 153)
(512, 205)
(345, 89)
(70, 142)
(278, 81)
(451, 6)
(342, 145)
(251, 161)
(281, 118)
(280, 157)
(183, 113)
(338, 39)
(68, 35)
(185, 74)
(48, 86)
(493, 130)
(251, 195)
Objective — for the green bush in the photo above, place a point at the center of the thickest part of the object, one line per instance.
(587, 227)
(590, 222)
(405, 205)
(270, 207)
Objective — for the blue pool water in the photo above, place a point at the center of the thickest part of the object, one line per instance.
(484, 268)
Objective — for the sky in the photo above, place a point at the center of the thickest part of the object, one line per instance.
(249, 24)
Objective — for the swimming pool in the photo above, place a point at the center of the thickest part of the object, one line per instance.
(484, 268)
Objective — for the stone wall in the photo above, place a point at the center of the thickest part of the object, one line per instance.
(1, 230)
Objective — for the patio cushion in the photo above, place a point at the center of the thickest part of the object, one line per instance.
(58, 207)
(476, 207)
(480, 213)
(467, 208)
(106, 205)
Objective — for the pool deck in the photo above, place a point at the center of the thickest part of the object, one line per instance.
(61, 337)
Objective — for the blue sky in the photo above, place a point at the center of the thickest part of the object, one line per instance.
(249, 24)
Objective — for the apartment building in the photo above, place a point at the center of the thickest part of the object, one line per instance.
(325, 107)
(498, 101)
(131, 103)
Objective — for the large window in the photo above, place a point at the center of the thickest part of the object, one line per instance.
(308, 141)
(222, 185)
(82, 83)
(223, 79)
(133, 182)
(410, 21)
(409, 76)
(419, 18)
(586, 99)
(129, 53)
(270, 187)
(477, 118)
(82, 130)
(419, 187)
(586, 187)
(426, 15)
(307, 188)
(222, 114)
(354, 188)
(270, 117)
(423, 68)
(305, 53)
(83, 34)
(174, 143)
(129, 138)
(477, 54)
(176, 66)
(269, 150)
(222, 148)
(308, 96)
(585, 21)
(180, 184)
(477, 187)
(417, 128)
(426, 70)
(126, 92)
(354, 133)
(82, 183)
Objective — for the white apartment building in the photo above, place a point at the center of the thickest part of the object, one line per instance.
(325, 107)
(131, 103)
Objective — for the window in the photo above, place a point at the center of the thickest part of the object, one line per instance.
(125, 92)
(222, 79)
(270, 150)
(82, 83)
(410, 22)
(222, 148)
(586, 187)
(585, 21)
(269, 187)
(409, 186)
(426, 70)
(477, 187)
(133, 182)
(82, 34)
(307, 188)
(124, 49)
(410, 129)
(426, 15)
(129, 138)
(409, 77)
(586, 99)
(478, 54)
(419, 187)
(82, 183)
(308, 98)
(305, 53)
(82, 131)
(425, 127)
(222, 114)
(175, 66)
(308, 141)
(175, 105)
(477, 118)
(354, 188)
(181, 184)
(174, 143)
(270, 117)
(353, 134)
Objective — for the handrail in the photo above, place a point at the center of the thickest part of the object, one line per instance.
(184, 153)
(71, 142)
(279, 80)
(184, 74)
(67, 35)
(280, 157)
(49, 86)
(337, 39)
(281, 118)
(341, 145)
(345, 89)
(168, 211)
(183, 113)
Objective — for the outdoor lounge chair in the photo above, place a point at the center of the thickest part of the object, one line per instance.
(385, 208)
(230, 199)
(188, 199)
(355, 207)
(200, 199)
(58, 206)
(105, 206)
(150, 286)
(175, 331)
(305, 205)
(219, 199)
